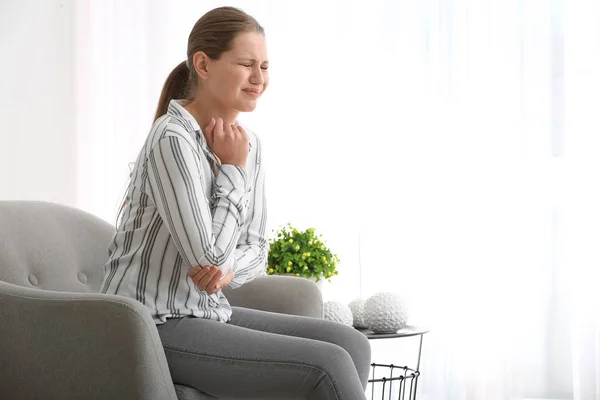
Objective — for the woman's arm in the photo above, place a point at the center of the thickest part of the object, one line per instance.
(181, 196)
(253, 246)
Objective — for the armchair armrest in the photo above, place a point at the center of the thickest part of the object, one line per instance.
(56, 345)
(280, 294)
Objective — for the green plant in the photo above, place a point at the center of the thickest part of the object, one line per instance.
(301, 253)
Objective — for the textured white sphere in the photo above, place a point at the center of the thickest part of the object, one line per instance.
(385, 313)
(358, 313)
(338, 312)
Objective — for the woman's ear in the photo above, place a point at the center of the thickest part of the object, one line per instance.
(201, 61)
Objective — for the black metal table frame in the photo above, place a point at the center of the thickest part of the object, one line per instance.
(407, 373)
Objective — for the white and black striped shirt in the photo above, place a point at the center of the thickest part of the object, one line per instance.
(184, 209)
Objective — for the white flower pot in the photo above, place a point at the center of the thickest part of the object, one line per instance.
(320, 284)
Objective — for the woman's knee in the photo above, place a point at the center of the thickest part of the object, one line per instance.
(337, 372)
(358, 347)
(359, 343)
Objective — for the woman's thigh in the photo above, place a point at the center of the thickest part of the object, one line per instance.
(229, 361)
(354, 342)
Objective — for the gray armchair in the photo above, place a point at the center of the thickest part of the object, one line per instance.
(61, 339)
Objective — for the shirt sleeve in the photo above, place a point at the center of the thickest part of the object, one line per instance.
(203, 235)
(253, 247)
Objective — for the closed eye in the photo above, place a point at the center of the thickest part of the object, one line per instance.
(250, 65)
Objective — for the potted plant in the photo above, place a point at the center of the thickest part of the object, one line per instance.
(302, 254)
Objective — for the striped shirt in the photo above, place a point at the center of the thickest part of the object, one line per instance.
(183, 209)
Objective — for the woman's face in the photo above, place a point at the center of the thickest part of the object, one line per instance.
(239, 77)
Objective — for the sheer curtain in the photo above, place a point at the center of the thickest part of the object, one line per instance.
(582, 232)
(446, 149)
(491, 171)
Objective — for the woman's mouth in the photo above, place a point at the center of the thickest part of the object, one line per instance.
(255, 93)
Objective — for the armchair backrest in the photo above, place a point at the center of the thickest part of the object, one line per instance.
(52, 247)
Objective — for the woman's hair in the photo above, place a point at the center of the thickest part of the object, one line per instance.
(213, 34)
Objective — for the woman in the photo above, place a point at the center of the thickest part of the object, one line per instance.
(194, 221)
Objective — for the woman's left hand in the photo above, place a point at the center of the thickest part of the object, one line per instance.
(209, 278)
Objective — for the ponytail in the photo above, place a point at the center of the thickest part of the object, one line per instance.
(176, 87)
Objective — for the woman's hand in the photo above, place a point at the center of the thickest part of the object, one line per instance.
(209, 278)
(228, 142)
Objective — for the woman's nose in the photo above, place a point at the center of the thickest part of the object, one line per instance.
(257, 77)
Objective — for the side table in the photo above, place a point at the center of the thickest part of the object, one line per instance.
(397, 373)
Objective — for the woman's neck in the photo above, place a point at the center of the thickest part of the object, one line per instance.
(203, 110)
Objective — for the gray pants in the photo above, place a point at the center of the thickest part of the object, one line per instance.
(263, 355)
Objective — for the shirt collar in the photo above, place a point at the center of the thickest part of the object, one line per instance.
(176, 108)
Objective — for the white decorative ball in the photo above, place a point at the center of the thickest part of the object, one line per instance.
(338, 312)
(358, 313)
(385, 313)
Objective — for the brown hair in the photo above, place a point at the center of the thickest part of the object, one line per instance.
(213, 34)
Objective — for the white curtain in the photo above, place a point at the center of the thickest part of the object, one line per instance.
(448, 150)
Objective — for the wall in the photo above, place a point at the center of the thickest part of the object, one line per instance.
(37, 107)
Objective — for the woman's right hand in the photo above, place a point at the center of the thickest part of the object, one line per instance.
(228, 142)
(209, 279)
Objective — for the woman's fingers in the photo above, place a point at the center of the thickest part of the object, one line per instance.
(197, 273)
(204, 282)
(231, 132)
(201, 276)
(218, 131)
(230, 143)
(242, 131)
(210, 132)
(214, 285)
